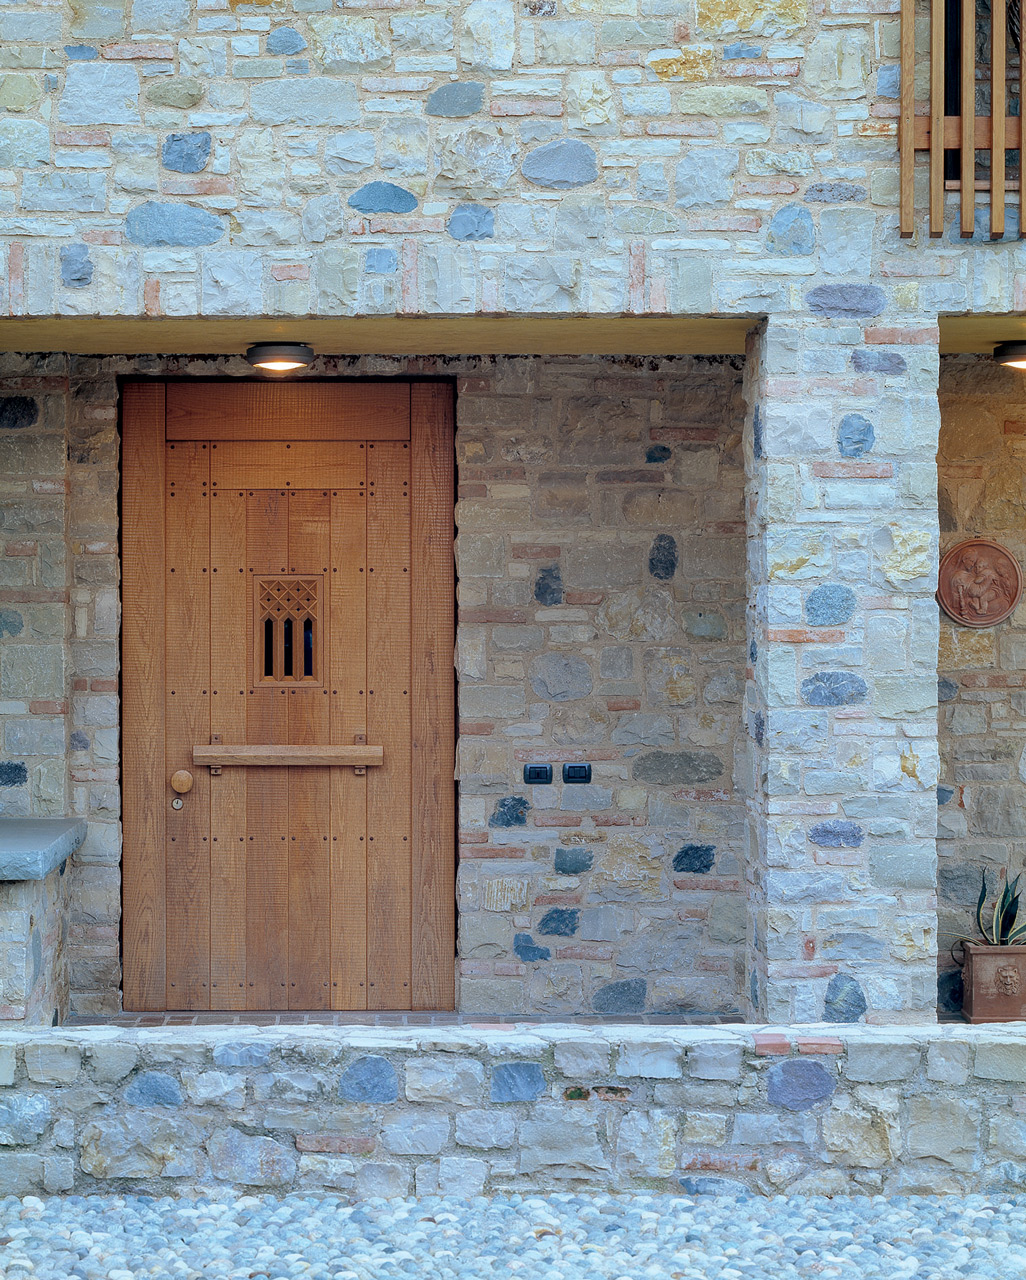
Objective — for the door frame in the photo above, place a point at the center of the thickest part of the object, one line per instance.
(433, 709)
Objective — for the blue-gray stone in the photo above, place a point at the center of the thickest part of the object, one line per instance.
(78, 741)
(64, 191)
(677, 768)
(18, 412)
(76, 266)
(885, 362)
(297, 66)
(463, 98)
(621, 997)
(380, 261)
(23, 1118)
(517, 1082)
(950, 991)
(157, 225)
(659, 453)
(186, 152)
(791, 232)
(830, 605)
(945, 795)
(696, 859)
(369, 1079)
(285, 40)
(835, 192)
(845, 1001)
(573, 862)
(471, 222)
(855, 436)
(241, 1054)
(560, 922)
(888, 81)
(11, 623)
(947, 690)
(548, 586)
(510, 811)
(753, 989)
(13, 773)
(526, 950)
(753, 652)
(744, 51)
(837, 833)
(759, 729)
(154, 1089)
(757, 432)
(383, 197)
(842, 300)
(662, 557)
(80, 52)
(30, 848)
(834, 689)
(705, 1184)
(560, 677)
(560, 165)
(799, 1084)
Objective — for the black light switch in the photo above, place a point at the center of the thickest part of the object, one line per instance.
(577, 773)
(539, 774)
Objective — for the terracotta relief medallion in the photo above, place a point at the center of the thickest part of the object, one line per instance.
(980, 583)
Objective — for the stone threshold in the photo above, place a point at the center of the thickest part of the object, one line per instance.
(404, 1019)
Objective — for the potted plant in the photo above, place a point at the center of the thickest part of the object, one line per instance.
(994, 970)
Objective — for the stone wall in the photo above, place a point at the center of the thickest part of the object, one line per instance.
(826, 1111)
(34, 976)
(982, 673)
(601, 619)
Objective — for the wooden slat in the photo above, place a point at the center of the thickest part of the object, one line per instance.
(290, 755)
(308, 409)
(230, 609)
(967, 172)
(187, 708)
(347, 676)
(906, 133)
(1017, 142)
(267, 797)
(145, 787)
(937, 115)
(280, 464)
(388, 723)
(952, 126)
(998, 32)
(310, 788)
(433, 697)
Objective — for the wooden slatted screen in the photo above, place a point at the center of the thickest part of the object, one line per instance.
(927, 127)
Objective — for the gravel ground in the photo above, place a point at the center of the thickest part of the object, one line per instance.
(554, 1237)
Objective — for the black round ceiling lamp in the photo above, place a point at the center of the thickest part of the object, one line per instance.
(280, 357)
(1011, 354)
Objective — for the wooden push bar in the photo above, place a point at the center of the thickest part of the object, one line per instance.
(228, 755)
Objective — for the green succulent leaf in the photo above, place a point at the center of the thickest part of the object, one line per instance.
(980, 904)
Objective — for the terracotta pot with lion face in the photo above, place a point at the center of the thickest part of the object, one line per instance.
(994, 979)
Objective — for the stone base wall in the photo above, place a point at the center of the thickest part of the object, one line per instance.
(371, 1112)
(601, 565)
(33, 949)
(982, 673)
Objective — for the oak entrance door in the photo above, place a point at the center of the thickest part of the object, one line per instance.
(287, 685)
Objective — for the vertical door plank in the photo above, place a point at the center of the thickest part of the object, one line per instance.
(998, 69)
(389, 890)
(937, 117)
(347, 676)
(433, 698)
(187, 707)
(309, 788)
(267, 798)
(906, 128)
(229, 619)
(146, 789)
(968, 140)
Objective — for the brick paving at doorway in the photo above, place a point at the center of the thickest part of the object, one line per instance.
(358, 1019)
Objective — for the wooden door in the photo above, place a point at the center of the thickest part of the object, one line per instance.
(287, 642)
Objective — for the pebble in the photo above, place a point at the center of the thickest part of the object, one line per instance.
(586, 1236)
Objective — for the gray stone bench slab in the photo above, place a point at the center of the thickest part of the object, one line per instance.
(30, 848)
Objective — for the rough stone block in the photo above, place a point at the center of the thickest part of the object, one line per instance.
(420, 1134)
(251, 1162)
(1001, 1060)
(517, 1082)
(485, 1130)
(53, 1063)
(943, 1128)
(653, 1060)
(444, 1079)
(23, 1118)
(582, 1060)
(947, 1062)
(714, 1062)
(562, 1144)
(876, 1061)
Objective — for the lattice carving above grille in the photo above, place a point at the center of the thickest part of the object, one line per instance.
(289, 630)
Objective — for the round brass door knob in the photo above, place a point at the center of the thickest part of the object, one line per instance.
(181, 781)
